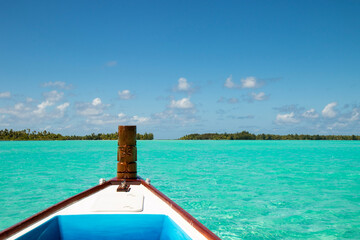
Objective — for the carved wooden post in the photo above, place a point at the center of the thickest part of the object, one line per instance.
(127, 154)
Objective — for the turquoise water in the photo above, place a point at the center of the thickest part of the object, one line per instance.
(238, 189)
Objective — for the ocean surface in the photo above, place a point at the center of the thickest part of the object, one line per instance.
(238, 189)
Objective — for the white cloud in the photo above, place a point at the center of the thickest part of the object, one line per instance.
(50, 99)
(50, 110)
(114, 119)
(96, 102)
(63, 106)
(337, 125)
(329, 111)
(178, 112)
(310, 114)
(125, 94)
(249, 82)
(355, 115)
(89, 111)
(173, 116)
(57, 84)
(61, 110)
(121, 115)
(183, 85)
(228, 100)
(286, 118)
(53, 96)
(2, 121)
(95, 108)
(45, 104)
(41, 107)
(18, 111)
(18, 106)
(5, 94)
(134, 119)
(139, 120)
(258, 96)
(349, 120)
(25, 111)
(183, 103)
(102, 119)
(229, 83)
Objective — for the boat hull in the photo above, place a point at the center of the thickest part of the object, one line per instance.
(105, 202)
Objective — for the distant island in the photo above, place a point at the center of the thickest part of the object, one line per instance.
(28, 135)
(244, 135)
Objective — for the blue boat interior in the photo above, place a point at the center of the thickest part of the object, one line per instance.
(108, 226)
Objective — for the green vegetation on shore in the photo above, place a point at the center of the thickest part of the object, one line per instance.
(25, 135)
(244, 135)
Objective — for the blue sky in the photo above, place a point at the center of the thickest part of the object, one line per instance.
(180, 67)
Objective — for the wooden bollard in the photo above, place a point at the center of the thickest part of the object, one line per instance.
(127, 154)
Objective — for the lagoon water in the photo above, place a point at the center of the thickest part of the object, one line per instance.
(238, 189)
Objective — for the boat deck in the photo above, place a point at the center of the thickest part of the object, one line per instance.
(141, 199)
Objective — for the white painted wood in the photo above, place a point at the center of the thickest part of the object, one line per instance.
(119, 202)
(92, 205)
